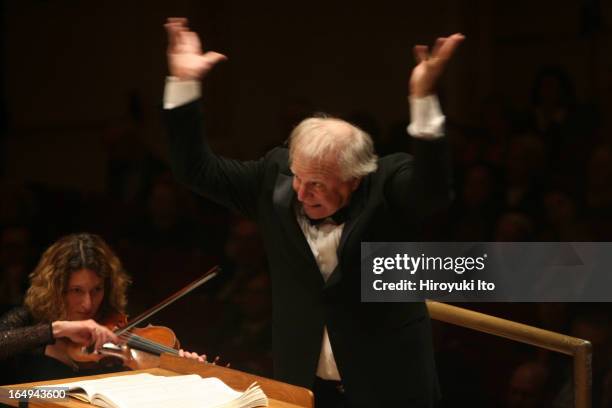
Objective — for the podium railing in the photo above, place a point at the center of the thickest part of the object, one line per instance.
(579, 349)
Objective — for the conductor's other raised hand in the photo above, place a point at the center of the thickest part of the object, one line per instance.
(431, 65)
(185, 57)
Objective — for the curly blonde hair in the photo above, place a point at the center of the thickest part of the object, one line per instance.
(45, 297)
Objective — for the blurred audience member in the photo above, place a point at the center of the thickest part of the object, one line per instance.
(16, 261)
(529, 386)
(514, 227)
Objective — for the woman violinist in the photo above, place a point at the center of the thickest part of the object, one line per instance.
(78, 282)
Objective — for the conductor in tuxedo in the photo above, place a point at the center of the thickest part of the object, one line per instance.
(316, 202)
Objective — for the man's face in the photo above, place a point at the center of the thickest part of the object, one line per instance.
(319, 187)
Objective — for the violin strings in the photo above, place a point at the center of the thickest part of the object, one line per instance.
(146, 344)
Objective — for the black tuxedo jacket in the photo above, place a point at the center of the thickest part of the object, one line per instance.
(383, 350)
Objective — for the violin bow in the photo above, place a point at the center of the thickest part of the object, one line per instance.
(214, 271)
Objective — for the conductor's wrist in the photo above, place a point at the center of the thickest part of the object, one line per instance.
(421, 91)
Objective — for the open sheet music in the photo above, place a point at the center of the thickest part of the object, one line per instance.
(147, 390)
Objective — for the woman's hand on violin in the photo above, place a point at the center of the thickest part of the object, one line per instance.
(193, 356)
(86, 332)
(201, 358)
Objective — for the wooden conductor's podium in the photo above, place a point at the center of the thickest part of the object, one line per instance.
(280, 395)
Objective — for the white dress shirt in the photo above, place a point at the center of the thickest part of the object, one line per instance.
(323, 240)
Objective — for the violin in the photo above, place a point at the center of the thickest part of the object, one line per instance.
(141, 349)
(142, 346)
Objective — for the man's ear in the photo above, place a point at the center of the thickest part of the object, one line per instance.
(355, 183)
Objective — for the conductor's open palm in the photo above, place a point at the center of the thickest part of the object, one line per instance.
(185, 57)
(430, 65)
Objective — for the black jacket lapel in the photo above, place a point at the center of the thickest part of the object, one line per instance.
(356, 206)
(283, 201)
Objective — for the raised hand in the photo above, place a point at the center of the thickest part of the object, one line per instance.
(185, 57)
(431, 65)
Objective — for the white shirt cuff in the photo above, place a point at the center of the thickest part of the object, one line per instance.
(426, 118)
(178, 92)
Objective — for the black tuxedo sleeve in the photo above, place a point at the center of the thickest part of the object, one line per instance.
(232, 183)
(422, 185)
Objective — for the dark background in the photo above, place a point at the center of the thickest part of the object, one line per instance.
(527, 97)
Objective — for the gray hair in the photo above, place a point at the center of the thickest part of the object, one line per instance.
(324, 138)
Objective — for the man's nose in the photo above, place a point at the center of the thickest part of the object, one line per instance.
(302, 192)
